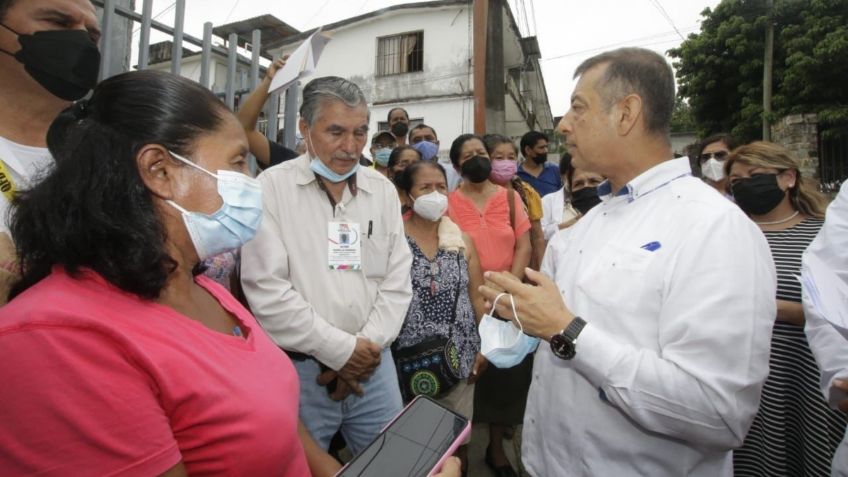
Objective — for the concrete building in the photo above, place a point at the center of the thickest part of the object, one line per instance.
(421, 57)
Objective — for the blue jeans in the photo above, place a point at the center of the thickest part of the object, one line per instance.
(360, 419)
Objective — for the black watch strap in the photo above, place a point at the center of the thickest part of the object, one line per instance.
(572, 331)
(563, 344)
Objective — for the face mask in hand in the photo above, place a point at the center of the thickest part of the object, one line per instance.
(477, 169)
(431, 206)
(713, 169)
(501, 342)
(231, 226)
(758, 194)
(64, 62)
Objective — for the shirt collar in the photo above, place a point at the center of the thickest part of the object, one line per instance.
(648, 181)
(305, 175)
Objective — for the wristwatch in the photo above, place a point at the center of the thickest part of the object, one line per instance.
(564, 343)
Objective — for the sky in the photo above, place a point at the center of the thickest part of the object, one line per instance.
(569, 31)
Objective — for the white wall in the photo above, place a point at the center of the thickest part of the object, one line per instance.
(446, 70)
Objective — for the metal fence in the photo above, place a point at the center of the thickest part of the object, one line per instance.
(111, 12)
(833, 160)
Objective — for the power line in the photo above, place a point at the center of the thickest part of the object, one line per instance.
(622, 43)
(317, 12)
(659, 7)
(231, 11)
(166, 10)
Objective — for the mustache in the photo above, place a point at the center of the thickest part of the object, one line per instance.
(346, 157)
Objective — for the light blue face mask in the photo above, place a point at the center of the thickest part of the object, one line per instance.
(381, 156)
(501, 342)
(231, 226)
(322, 170)
(428, 150)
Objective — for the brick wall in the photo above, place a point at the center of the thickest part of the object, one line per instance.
(799, 134)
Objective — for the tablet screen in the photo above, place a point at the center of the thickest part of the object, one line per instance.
(412, 445)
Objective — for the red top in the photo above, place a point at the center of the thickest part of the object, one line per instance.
(96, 381)
(490, 230)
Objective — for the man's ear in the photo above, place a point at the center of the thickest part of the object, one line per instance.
(304, 133)
(628, 114)
(156, 170)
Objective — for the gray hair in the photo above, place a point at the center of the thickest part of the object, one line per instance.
(640, 71)
(329, 88)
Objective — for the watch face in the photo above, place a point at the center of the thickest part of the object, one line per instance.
(562, 347)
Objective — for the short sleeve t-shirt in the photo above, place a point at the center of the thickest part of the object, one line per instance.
(490, 229)
(23, 163)
(549, 179)
(280, 154)
(98, 379)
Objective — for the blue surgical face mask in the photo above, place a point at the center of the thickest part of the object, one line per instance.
(501, 342)
(231, 226)
(318, 166)
(381, 156)
(428, 150)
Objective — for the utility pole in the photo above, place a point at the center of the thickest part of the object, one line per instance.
(767, 70)
(481, 21)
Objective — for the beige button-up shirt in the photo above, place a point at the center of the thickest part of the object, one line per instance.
(305, 306)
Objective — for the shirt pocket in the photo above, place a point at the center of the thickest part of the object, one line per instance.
(375, 255)
(620, 278)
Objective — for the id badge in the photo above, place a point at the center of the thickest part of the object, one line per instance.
(344, 246)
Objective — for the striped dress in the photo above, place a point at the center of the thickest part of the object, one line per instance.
(795, 433)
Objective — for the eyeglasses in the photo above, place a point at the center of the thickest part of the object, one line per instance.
(720, 156)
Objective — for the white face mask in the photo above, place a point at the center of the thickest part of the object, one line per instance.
(431, 206)
(501, 342)
(713, 169)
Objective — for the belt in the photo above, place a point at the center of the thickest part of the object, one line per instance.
(295, 356)
(300, 357)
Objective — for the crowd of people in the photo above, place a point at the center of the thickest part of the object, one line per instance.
(622, 313)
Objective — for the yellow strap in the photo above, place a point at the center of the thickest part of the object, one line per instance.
(7, 184)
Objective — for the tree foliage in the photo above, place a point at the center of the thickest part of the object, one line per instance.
(720, 69)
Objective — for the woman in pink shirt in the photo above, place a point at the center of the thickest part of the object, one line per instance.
(116, 356)
(501, 234)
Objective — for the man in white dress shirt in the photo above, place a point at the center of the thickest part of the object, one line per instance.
(660, 301)
(829, 346)
(327, 274)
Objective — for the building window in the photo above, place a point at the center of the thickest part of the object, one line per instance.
(399, 54)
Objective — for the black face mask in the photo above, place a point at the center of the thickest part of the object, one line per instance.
(757, 195)
(540, 159)
(400, 129)
(584, 199)
(64, 62)
(397, 177)
(476, 169)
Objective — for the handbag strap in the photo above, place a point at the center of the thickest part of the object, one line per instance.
(510, 200)
(456, 296)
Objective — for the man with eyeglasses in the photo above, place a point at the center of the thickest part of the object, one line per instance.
(714, 150)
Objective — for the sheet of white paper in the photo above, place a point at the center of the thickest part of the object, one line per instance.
(302, 62)
(826, 291)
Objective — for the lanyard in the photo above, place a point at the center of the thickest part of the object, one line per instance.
(7, 184)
